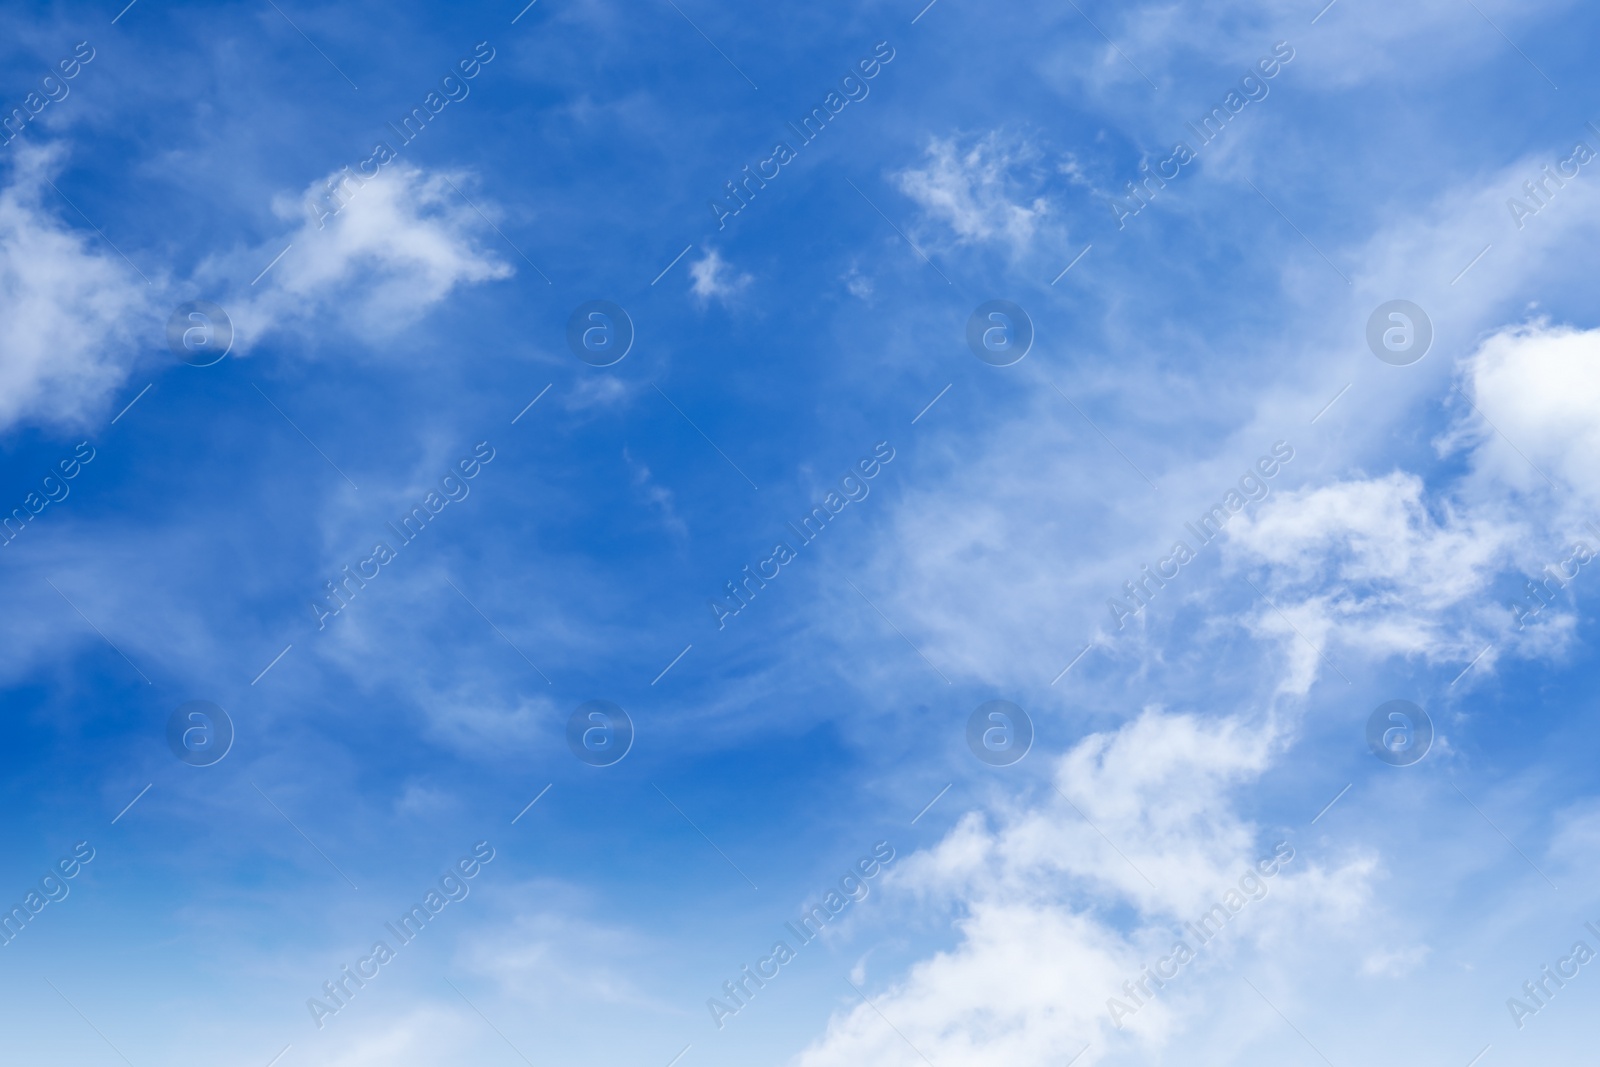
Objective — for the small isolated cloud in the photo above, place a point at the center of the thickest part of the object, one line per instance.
(859, 285)
(419, 798)
(977, 191)
(474, 723)
(401, 243)
(555, 952)
(1396, 964)
(656, 495)
(75, 311)
(604, 393)
(715, 279)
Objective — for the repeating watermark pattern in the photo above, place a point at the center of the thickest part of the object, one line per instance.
(453, 487)
(1399, 733)
(852, 87)
(1253, 87)
(854, 487)
(1000, 333)
(852, 888)
(999, 733)
(54, 489)
(199, 333)
(600, 333)
(1539, 192)
(582, 128)
(1252, 487)
(52, 889)
(199, 733)
(453, 88)
(52, 89)
(453, 886)
(1399, 332)
(1554, 578)
(599, 733)
(1537, 993)
(1251, 887)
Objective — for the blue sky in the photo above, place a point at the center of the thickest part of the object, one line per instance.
(173, 526)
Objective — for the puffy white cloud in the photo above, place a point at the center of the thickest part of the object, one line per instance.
(1378, 566)
(76, 313)
(401, 243)
(80, 315)
(1539, 385)
(1039, 949)
(1387, 567)
(1366, 562)
(714, 279)
(977, 191)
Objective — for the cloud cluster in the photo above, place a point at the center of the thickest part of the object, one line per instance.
(1374, 565)
(1055, 907)
(1389, 566)
(76, 313)
(80, 316)
(1049, 917)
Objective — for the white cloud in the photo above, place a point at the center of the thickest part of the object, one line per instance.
(1351, 46)
(976, 191)
(603, 392)
(1391, 565)
(1039, 952)
(555, 954)
(474, 723)
(1539, 385)
(1366, 563)
(401, 244)
(1396, 964)
(80, 314)
(714, 279)
(419, 798)
(858, 284)
(1385, 566)
(76, 313)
